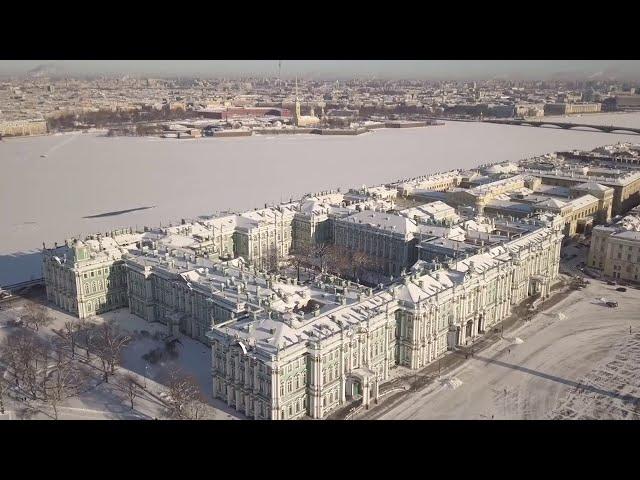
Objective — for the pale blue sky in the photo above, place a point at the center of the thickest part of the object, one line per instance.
(418, 69)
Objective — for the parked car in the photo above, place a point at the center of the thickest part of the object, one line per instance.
(610, 282)
(612, 304)
(621, 289)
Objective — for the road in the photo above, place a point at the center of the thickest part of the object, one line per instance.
(582, 364)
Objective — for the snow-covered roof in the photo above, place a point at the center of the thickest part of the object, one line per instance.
(384, 221)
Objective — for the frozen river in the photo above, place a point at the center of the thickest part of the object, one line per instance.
(48, 199)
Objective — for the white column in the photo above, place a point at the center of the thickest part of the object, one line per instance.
(275, 391)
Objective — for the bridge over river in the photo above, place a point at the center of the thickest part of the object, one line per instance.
(564, 125)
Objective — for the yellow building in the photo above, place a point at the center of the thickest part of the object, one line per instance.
(615, 249)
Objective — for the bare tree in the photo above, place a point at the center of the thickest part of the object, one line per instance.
(85, 335)
(108, 343)
(42, 369)
(64, 377)
(195, 408)
(359, 262)
(28, 356)
(37, 316)
(70, 335)
(3, 389)
(10, 356)
(272, 261)
(320, 251)
(337, 260)
(39, 373)
(184, 397)
(129, 385)
(363, 263)
(54, 402)
(302, 255)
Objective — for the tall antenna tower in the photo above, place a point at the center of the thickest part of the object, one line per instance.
(279, 70)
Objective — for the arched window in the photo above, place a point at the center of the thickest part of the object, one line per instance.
(86, 288)
(89, 306)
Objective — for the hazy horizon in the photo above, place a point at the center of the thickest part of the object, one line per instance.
(623, 70)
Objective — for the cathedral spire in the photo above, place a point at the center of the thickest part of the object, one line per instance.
(297, 106)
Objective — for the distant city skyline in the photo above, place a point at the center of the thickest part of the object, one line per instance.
(624, 70)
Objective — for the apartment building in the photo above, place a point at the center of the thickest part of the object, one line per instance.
(615, 249)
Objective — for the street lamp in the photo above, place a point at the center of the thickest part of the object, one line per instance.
(505, 403)
(146, 374)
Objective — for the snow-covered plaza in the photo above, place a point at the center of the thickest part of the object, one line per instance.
(578, 360)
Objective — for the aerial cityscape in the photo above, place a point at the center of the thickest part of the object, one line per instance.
(296, 244)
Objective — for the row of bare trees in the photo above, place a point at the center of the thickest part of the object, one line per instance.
(41, 369)
(105, 341)
(47, 369)
(336, 259)
(3, 388)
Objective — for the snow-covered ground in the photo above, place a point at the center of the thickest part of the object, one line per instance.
(48, 199)
(105, 400)
(583, 364)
